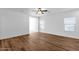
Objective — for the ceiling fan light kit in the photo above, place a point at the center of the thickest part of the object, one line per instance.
(40, 11)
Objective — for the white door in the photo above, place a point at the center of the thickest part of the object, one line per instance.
(33, 24)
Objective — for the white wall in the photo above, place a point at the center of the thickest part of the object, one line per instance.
(0, 27)
(13, 23)
(54, 24)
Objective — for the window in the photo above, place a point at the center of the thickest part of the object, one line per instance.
(70, 23)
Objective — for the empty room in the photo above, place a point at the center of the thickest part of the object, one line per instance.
(39, 29)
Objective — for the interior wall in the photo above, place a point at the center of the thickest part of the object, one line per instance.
(13, 23)
(54, 23)
(0, 27)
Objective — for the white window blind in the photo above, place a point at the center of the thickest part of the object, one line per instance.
(70, 23)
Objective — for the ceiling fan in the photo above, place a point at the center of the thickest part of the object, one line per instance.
(40, 11)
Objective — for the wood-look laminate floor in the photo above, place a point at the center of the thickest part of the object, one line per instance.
(39, 42)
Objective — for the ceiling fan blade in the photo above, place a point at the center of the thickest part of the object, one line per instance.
(44, 10)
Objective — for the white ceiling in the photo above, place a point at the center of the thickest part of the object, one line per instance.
(21, 10)
(54, 10)
(31, 12)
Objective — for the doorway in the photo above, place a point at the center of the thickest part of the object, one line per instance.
(33, 24)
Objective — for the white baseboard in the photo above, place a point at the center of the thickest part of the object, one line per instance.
(75, 37)
(10, 36)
